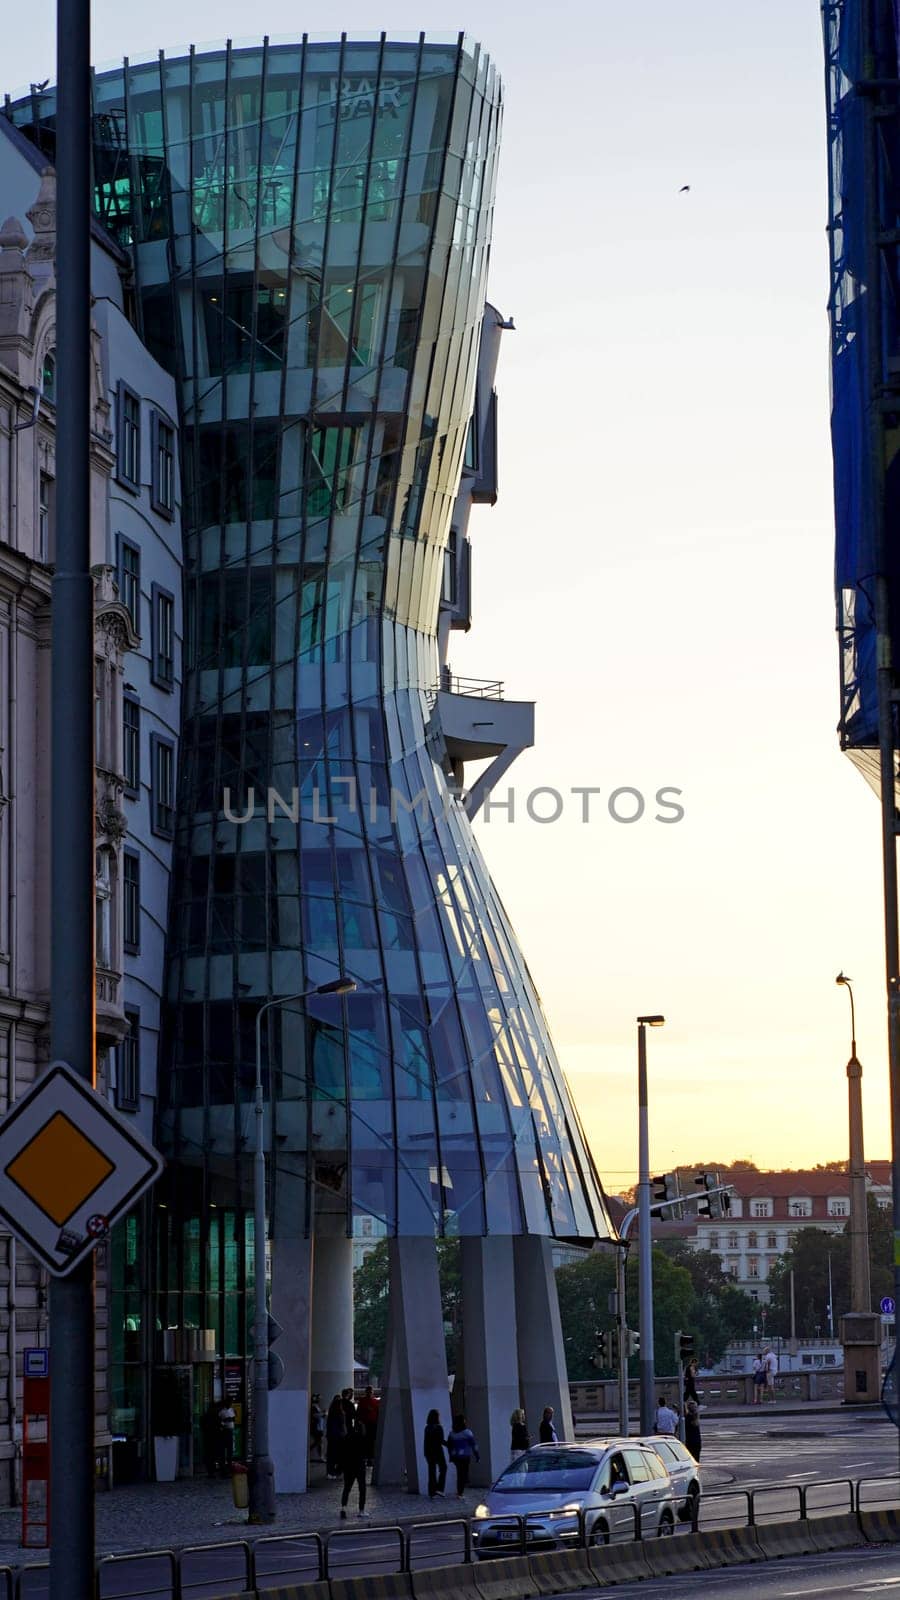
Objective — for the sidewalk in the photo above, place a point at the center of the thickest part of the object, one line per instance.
(160, 1516)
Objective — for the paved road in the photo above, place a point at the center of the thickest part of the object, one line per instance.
(844, 1575)
(763, 1452)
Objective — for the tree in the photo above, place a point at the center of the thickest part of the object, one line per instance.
(808, 1259)
(721, 1312)
(371, 1296)
(585, 1305)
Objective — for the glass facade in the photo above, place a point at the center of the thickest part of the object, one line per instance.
(310, 226)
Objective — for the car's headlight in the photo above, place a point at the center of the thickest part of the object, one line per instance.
(564, 1511)
(481, 1512)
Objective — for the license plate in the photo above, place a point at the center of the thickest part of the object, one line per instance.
(507, 1535)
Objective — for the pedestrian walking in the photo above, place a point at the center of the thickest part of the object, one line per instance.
(520, 1439)
(316, 1427)
(354, 1468)
(349, 1407)
(770, 1361)
(462, 1449)
(226, 1436)
(759, 1378)
(434, 1445)
(692, 1437)
(690, 1382)
(335, 1434)
(367, 1414)
(547, 1431)
(665, 1420)
(209, 1428)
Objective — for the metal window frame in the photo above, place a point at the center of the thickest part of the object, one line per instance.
(132, 946)
(123, 543)
(162, 678)
(163, 830)
(131, 1041)
(124, 391)
(132, 791)
(158, 421)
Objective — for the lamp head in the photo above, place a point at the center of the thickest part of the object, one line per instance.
(651, 1022)
(337, 986)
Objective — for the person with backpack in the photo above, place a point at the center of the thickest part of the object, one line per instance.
(461, 1448)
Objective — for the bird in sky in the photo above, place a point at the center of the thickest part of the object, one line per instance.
(685, 189)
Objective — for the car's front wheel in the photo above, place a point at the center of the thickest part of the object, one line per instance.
(666, 1525)
(599, 1533)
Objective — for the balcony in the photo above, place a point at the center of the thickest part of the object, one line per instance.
(478, 724)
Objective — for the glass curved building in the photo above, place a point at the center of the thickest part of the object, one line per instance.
(310, 229)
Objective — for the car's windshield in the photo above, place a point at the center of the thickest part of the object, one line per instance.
(550, 1470)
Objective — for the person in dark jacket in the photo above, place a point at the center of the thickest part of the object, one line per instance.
(354, 1467)
(335, 1434)
(349, 1405)
(547, 1433)
(521, 1439)
(462, 1449)
(690, 1382)
(433, 1449)
(692, 1438)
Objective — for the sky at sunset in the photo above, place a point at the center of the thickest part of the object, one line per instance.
(657, 573)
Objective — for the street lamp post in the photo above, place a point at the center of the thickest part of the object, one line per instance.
(262, 1468)
(645, 1256)
(860, 1279)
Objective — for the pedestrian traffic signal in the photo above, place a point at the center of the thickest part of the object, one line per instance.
(685, 1348)
(632, 1343)
(276, 1365)
(665, 1187)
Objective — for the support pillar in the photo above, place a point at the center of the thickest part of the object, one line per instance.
(489, 1350)
(416, 1366)
(332, 1309)
(543, 1380)
(290, 1305)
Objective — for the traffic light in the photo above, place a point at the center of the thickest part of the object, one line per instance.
(632, 1343)
(276, 1365)
(685, 1348)
(607, 1349)
(665, 1187)
(720, 1204)
(707, 1181)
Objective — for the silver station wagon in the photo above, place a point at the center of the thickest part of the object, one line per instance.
(552, 1484)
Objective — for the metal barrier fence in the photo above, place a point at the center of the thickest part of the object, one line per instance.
(232, 1567)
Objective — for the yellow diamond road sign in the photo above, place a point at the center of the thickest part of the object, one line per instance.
(70, 1166)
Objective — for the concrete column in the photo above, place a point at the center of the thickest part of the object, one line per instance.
(332, 1310)
(290, 1305)
(416, 1378)
(542, 1363)
(489, 1349)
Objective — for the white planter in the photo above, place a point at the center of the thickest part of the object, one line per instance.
(165, 1457)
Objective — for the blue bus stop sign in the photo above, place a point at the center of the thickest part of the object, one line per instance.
(887, 1306)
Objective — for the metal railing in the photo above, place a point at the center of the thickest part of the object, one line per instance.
(476, 688)
(309, 1557)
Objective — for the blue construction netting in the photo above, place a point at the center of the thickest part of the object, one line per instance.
(864, 207)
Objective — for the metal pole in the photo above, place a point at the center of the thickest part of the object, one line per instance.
(793, 1314)
(622, 1325)
(887, 741)
(72, 791)
(645, 1257)
(261, 1486)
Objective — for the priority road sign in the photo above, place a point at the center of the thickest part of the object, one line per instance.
(70, 1166)
(888, 1306)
